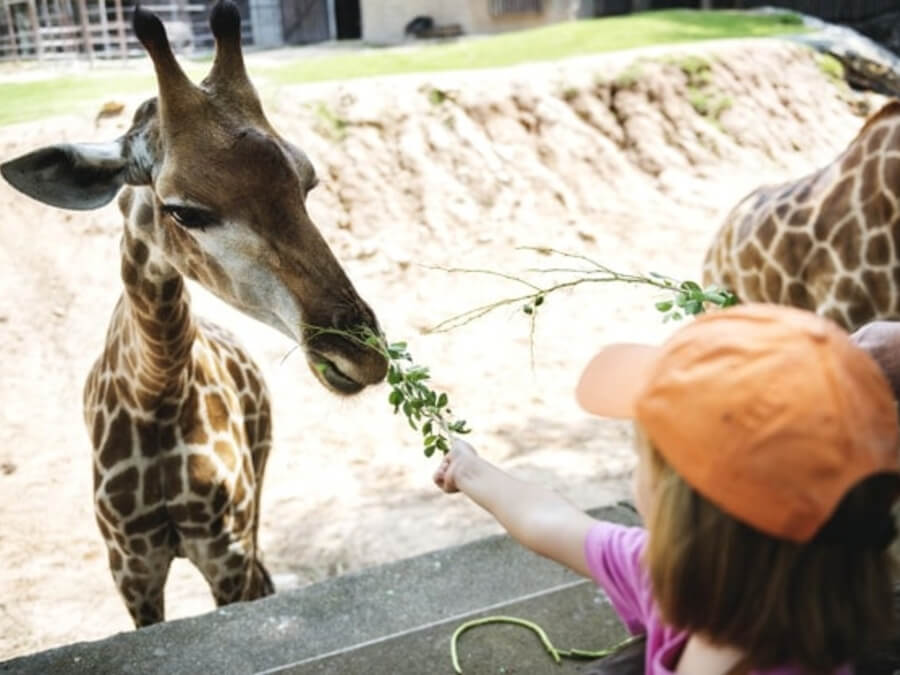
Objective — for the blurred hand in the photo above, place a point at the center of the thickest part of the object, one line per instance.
(461, 454)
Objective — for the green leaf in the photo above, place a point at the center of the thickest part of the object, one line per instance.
(442, 401)
(429, 450)
(394, 375)
(395, 397)
(693, 307)
(690, 286)
(664, 306)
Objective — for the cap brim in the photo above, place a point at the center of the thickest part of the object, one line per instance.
(612, 381)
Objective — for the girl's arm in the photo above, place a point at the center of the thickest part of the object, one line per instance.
(536, 517)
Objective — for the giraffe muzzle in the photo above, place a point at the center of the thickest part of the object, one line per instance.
(328, 372)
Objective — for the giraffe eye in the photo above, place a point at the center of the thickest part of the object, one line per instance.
(189, 217)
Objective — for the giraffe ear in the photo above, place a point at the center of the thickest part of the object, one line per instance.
(70, 176)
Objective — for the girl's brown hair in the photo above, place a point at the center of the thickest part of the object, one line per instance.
(816, 605)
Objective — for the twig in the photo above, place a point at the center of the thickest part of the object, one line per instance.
(555, 653)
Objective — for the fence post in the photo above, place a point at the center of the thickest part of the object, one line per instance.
(85, 30)
(104, 25)
(120, 22)
(36, 25)
(706, 4)
(13, 45)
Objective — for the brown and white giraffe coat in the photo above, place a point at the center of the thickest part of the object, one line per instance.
(828, 242)
(177, 412)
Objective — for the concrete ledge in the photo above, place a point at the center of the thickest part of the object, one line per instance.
(392, 619)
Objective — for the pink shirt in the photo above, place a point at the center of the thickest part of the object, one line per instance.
(613, 554)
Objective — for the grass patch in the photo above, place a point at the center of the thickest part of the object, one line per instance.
(23, 101)
(833, 69)
(572, 38)
(83, 93)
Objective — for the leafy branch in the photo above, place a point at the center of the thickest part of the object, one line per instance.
(687, 298)
(426, 410)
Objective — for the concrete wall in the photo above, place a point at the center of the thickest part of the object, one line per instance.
(383, 20)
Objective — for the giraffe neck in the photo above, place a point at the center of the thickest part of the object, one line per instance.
(152, 325)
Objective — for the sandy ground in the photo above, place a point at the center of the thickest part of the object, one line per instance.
(604, 156)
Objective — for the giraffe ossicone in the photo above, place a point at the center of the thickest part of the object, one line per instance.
(177, 412)
(827, 242)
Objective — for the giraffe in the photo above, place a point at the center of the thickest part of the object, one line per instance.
(828, 242)
(177, 412)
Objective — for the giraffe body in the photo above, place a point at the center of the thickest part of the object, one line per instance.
(180, 423)
(177, 412)
(828, 242)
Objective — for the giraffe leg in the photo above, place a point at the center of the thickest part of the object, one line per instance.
(231, 566)
(141, 580)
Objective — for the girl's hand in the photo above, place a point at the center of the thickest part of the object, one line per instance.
(461, 454)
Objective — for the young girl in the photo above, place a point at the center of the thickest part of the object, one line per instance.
(767, 468)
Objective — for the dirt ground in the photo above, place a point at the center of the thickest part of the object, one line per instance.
(607, 156)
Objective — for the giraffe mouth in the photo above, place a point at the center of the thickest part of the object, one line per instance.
(331, 376)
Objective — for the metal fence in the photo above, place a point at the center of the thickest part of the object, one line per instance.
(60, 29)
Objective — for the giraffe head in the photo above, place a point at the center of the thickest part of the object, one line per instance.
(221, 197)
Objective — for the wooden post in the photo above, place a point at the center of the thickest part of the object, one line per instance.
(12, 30)
(36, 25)
(85, 30)
(104, 25)
(120, 22)
(706, 4)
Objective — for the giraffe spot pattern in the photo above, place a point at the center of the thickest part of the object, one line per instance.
(878, 210)
(216, 412)
(878, 289)
(800, 217)
(876, 140)
(767, 231)
(202, 474)
(115, 560)
(227, 453)
(793, 248)
(799, 296)
(772, 284)
(871, 183)
(118, 441)
(847, 243)
(153, 489)
(172, 483)
(147, 521)
(878, 249)
(124, 481)
(821, 265)
(123, 502)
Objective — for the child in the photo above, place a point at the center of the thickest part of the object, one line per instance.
(767, 468)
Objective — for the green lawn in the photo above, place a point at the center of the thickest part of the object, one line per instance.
(543, 44)
(22, 101)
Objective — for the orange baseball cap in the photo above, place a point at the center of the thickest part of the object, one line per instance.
(769, 412)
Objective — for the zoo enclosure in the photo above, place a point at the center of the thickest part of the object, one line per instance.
(61, 29)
